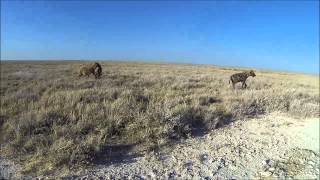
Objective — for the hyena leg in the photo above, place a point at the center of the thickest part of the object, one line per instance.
(243, 84)
(233, 85)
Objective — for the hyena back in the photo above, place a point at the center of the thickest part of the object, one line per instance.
(94, 69)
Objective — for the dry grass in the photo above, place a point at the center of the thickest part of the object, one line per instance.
(50, 119)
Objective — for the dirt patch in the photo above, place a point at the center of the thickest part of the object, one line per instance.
(267, 147)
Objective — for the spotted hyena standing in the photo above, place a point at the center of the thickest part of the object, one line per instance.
(94, 68)
(241, 77)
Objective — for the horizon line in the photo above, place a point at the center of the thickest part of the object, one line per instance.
(169, 62)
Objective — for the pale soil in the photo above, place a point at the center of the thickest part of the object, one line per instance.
(273, 146)
(270, 146)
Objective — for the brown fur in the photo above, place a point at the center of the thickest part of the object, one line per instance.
(93, 68)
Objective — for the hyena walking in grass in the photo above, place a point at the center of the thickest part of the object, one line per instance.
(241, 77)
(94, 68)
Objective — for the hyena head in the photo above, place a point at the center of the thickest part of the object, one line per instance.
(97, 70)
(251, 73)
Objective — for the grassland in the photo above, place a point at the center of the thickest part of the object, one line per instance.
(51, 119)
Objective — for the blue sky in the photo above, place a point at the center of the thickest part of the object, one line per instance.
(280, 35)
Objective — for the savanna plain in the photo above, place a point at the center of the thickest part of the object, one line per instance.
(156, 121)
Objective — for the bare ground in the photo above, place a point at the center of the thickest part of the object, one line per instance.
(272, 146)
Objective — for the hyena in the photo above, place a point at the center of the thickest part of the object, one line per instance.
(94, 68)
(241, 77)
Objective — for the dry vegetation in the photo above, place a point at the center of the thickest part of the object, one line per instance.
(51, 119)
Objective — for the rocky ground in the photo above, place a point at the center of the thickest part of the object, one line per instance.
(272, 146)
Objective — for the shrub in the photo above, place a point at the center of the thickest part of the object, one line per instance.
(205, 101)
